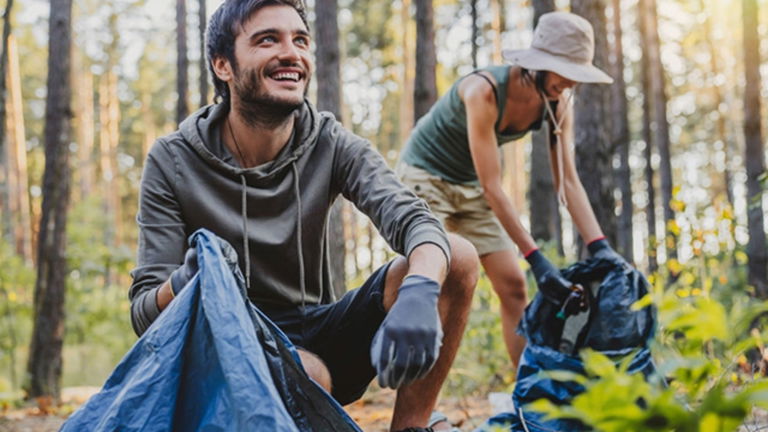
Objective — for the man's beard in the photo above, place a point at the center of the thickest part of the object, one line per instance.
(259, 108)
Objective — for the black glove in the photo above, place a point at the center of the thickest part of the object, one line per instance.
(407, 344)
(182, 275)
(601, 249)
(555, 287)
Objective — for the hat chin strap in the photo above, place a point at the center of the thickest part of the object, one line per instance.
(559, 148)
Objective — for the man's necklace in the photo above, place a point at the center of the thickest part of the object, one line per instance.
(237, 146)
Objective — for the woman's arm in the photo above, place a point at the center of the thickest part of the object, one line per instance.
(576, 197)
(482, 112)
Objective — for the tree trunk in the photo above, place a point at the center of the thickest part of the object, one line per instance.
(513, 173)
(592, 126)
(44, 365)
(148, 120)
(540, 7)
(182, 62)
(650, 209)
(201, 20)
(721, 126)
(755, 154)
(499, 26)
(406, 86)
(371, 246)
(474, 33)
(620, 138)
(425, 84)
(109, 118)
(17, 158)
(85, 132)
(5, 184)
(329, 99)
(546, 224)
(354, 236)
(660, 126)
(114, 140)
(544, 207)
(514, 154)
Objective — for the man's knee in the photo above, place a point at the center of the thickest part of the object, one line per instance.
(316, 369)
(463, 272)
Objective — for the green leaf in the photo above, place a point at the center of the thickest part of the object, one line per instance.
(644, 302)
(706, 321)
(597, 364)
(564, 376)
(545, 406)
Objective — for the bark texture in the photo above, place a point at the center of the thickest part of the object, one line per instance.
(650, 209)
(201, 20)
(44, 364)
(620, 138)
(5, 186)
(425, 84)
(592, 126)
(544, 207)
(755, 153)
(182, 62)
(329, 99)
(659, 125)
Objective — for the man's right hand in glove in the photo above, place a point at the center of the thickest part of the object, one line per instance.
(407, 344)
(552, 284)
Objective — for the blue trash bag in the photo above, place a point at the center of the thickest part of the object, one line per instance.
(612, 328)
(211, 361)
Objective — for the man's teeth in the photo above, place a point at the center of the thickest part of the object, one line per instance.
(293, 76)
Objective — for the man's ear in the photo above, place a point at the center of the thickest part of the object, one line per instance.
(222, 68)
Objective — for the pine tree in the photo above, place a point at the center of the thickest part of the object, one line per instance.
(45, 352)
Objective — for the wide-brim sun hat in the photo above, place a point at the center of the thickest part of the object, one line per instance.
(563, 43)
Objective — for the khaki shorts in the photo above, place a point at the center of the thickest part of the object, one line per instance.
(461, 208)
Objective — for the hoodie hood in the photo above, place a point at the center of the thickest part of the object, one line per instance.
(202, 131)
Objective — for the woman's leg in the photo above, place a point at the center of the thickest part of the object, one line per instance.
(508, 280)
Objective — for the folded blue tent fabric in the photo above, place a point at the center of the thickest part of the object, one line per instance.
(211, 362)
(612, 328)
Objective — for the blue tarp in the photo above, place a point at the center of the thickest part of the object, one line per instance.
(211, 362)
(612, 328)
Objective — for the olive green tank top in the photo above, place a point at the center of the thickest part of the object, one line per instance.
(439, 142)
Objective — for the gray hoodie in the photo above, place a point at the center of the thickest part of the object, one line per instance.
(191, 181)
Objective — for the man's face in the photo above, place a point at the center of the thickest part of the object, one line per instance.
(273, 59)
(555, 85)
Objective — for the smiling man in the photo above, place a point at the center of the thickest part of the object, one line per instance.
(261, 169)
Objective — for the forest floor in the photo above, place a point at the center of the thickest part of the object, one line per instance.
(372, 412)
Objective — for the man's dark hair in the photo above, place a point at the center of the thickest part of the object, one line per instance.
(223, 28)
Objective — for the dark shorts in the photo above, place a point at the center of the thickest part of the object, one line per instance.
(340, 333)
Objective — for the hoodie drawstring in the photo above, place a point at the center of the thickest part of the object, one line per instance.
(300, 249)
(297, 190)
(244, 214)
